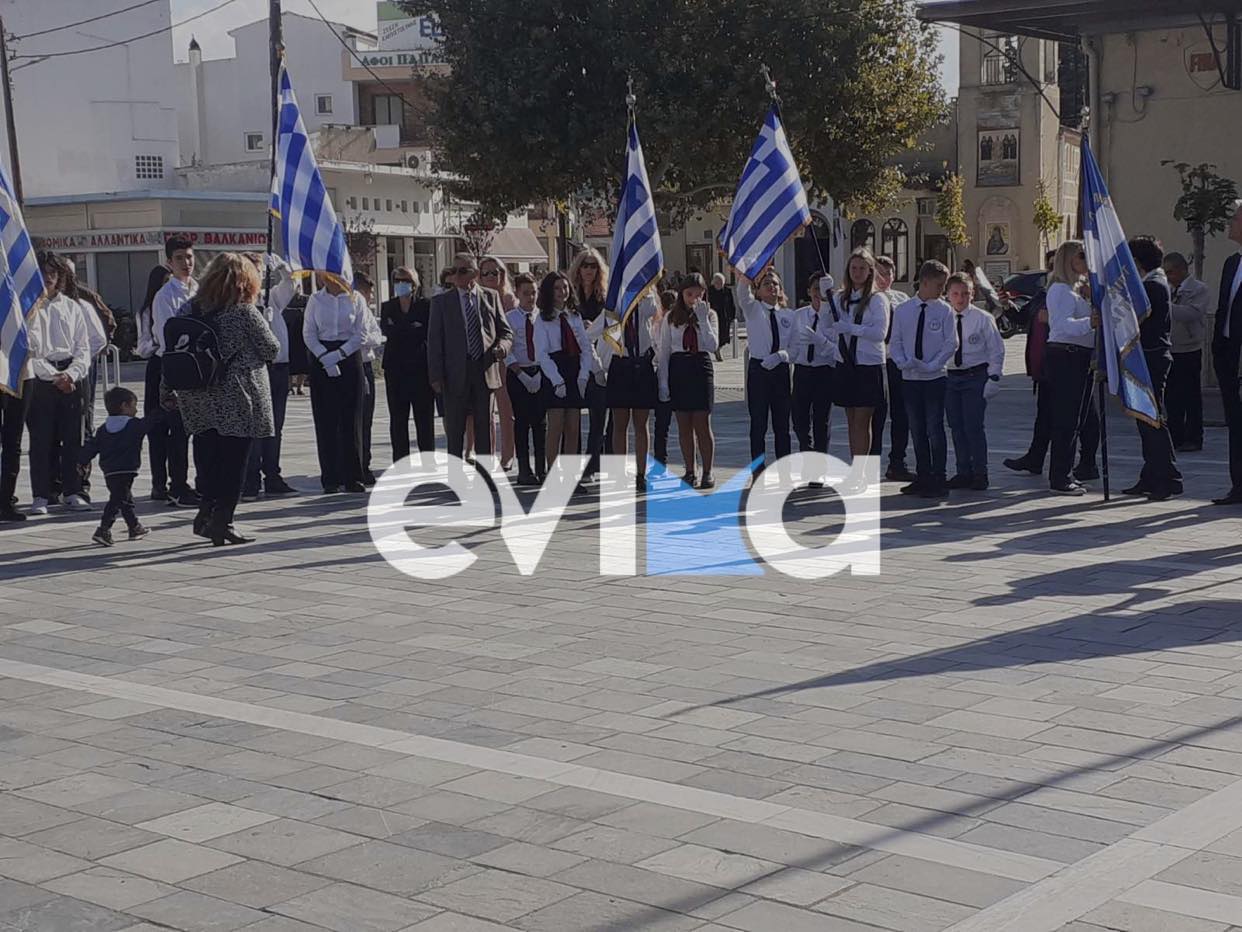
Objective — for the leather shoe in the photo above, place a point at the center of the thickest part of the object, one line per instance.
(914, 488)
(960, 482)
(1137, 489)
(899, 474)
(979, 484)
(1233, 498)
(1022, 464)
(10, 513)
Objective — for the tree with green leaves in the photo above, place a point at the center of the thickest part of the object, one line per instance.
(1047, 220)
(951, 212)
(1206, 204)
(533, 105)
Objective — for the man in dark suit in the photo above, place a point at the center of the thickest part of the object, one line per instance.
(1226, 351)
(468, 337)
(404, 322)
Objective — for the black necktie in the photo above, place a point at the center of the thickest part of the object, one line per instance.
(810, 350)
(918, 337)
(957, 357)
(776, 334)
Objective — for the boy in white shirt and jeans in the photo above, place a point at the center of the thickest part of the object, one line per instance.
(974, 377)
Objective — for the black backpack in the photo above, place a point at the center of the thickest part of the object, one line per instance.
(192, 357)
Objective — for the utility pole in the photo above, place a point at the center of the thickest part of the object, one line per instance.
(277, 41)
(15, 167)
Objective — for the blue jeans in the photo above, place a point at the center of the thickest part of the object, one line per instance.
(965, 406)
(925, 411)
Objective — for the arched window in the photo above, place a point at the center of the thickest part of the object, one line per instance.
(895, 243)
(862, 233)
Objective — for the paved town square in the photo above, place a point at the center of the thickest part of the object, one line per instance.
(1027, 722)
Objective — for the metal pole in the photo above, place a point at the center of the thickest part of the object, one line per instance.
(1099, 382)
(15, 167)
(276, 36)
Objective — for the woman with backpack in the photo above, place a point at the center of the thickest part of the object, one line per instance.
(231, 404)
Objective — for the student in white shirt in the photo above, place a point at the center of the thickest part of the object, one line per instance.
(814, 354)
(265, 452)
(628, 356)
(689, 338)
(894, 409)
(974, 377)
(525, 384)
(54, 390)
(563, 352)
(364, 287)
(769, 330)
(924, 342)
(335, 329)
(859, 334)
(1067, 365)
(168, 443)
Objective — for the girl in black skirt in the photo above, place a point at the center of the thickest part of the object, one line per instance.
(564, 355)
(860, 342)
(628, 355)
(689, 336)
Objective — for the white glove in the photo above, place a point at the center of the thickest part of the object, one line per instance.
(560, 391)
(665, 398)
(332, 372)
(532, 382)
(772, 360)
(582, 385)
(991, 389)
(331, 359)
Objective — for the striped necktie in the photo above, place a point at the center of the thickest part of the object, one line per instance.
(474, 328)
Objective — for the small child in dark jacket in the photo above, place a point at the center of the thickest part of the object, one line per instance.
(118, 444)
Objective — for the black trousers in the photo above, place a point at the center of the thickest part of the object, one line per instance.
(1075, 423)
(898, 419)
(167, 444)
(368, 414)
(475, 400)
(406, 392)
(530, 426)
(1159, 461)
(811, 406)
(88, 418)
(223, 459)
(663, 423)
(1041, 435)
(265, 452)
(120, 501)
(599, 434)
(12, 420)
(336, 405)
(54, 422)
(1183, 398)
(1225, 357)
(768, 396)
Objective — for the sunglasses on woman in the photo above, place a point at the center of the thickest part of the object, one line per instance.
(590, 265)
(490, 273)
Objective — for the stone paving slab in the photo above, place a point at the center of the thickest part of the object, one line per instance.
(1029, 721)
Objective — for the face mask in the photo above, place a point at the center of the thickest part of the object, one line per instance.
(402, 289)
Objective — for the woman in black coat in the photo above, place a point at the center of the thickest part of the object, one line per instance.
(403, 321)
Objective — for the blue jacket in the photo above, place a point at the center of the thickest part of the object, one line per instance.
(118, 444)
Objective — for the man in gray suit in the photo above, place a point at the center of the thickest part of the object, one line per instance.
(468, 337)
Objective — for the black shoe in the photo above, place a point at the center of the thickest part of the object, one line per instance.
(1022, 464)
(935, 490)
(333, 489)
(690, 479)
(138, 531)
(1086, 472)
(960, 481)
(914, 488)
(1165, 492)
(526, 477)
(227, 534)
(708, 481)
(1233, 498)
(640, 483)
(103, 537)
(355, 487)
(1137, 489)
(368, 479)
(159, 495)
(202, 521)
(279, 486)
(899, 474)
(1189, 447)
(250, 495)
(9, 513)
(979, 483)
(186, 498)
(1069, 488)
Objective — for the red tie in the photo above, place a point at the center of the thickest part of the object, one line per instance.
(530, 337)
(690, 336)
(569, 342)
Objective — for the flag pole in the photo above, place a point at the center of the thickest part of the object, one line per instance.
(15, 166)
(277, 41)
(1098, 372)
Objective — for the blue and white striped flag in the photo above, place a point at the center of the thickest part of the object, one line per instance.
(21, 287)
(314, 240)
(1117, 293)
(770, 205)
(637, 258)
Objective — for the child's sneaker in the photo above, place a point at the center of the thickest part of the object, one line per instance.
(138, 531)
(103, 537)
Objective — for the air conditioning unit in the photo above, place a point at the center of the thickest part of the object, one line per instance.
(412, 161)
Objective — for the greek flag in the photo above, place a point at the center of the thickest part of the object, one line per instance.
(313, 239)
(21, 288)
(770, 205)
(637, 258)
(1117, 293)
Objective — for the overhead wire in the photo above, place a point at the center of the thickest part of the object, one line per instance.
(83, 22)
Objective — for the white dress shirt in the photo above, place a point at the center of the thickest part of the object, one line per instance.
(94, 328)
(548, 341)
(939, 339)
(758, 330)
(1233, 295)
(372, 338)
(870, 330)
(170, 301)
(279, 299)
(1069, 317)
(672, 339)
(645, 314)
(824, 343)
(521, 354)
(56, 332)
(980, 341)
(332, 317)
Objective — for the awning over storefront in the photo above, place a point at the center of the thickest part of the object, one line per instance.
(1066, 20)
(518, 244)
